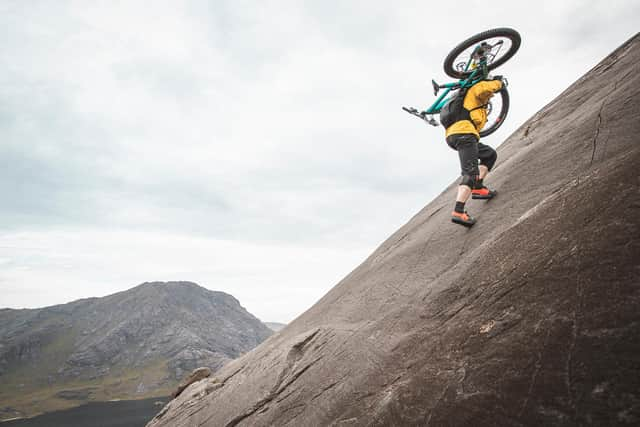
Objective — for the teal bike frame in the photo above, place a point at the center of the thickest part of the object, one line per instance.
(473, 70)
(478, 74)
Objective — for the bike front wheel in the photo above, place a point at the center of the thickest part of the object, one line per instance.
(494, 46)
(497, 110)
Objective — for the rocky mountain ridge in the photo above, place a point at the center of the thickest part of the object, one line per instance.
(131, 344)
(529, 318)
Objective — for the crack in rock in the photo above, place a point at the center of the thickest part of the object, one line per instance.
(597, 133)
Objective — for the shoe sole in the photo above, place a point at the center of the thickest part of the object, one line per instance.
(483, 197)
(466, 224)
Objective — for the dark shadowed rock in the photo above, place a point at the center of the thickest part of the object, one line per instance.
(529, 318)
(133, 344)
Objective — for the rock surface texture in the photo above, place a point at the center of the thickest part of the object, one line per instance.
(132, 344)
(529, 318)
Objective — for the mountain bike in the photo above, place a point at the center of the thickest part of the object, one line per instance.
(470, 62)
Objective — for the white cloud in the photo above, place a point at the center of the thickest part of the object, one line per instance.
(270, 279)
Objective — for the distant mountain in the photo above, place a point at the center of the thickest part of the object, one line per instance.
(133, 344)
(275, 326)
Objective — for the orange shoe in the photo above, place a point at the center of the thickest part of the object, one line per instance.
(462, 219)
(483, 193)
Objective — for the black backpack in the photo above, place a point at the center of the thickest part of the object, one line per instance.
(453, 111)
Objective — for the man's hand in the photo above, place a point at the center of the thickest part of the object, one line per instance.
(502, 80)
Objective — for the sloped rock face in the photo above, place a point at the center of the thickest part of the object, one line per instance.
(529, 318)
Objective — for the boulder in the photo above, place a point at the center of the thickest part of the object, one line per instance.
(197, 375)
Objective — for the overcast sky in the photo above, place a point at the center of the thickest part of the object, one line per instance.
(254, 147)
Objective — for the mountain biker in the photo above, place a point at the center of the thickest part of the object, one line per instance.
(463, 136)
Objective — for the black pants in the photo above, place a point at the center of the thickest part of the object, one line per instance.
(470, 150)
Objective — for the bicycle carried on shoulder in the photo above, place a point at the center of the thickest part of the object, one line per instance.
(470, 62)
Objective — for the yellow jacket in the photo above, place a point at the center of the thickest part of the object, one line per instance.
(477, 96)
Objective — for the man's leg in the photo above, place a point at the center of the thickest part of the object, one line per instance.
(488, 157)
(467, 146)
(483, 171)
(464, 191)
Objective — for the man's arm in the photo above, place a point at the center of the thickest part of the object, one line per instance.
(486, 88)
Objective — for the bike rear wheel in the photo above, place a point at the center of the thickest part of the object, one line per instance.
(496, 46)
(497, 111)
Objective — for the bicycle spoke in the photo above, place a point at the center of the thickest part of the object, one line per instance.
(494, 55)
(494, 105)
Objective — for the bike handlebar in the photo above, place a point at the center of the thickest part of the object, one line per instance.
(413, 111)
(421, 114)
